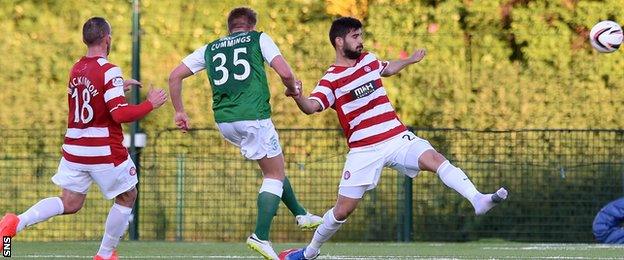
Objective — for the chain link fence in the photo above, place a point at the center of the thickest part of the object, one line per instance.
(197, 187)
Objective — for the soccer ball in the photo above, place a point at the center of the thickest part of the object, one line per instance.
(606, 36)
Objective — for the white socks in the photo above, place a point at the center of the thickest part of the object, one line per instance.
(456, 179)
(116, 225)
(43, 210)
(323, 233)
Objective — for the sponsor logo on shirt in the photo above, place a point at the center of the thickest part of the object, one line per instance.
(363, 90)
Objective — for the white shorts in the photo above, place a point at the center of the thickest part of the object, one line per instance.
(256, 138)
(112, 181)
(364, 165)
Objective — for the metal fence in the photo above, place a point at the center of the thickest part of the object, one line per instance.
(197, 187)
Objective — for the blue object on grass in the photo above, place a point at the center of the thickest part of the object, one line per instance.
(607, 225)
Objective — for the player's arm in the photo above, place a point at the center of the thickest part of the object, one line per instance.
(281, 67)
(307, 105)
(175, 85)
(175, 90)
(190, 65)
(272, 55)
(321, 98)
(396, 66)
(122, 112)
(116, 103)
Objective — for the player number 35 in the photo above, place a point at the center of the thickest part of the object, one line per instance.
(237, 61)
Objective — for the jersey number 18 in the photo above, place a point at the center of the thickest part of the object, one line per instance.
(83, 114)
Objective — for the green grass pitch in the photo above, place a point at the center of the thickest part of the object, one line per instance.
(420, 250)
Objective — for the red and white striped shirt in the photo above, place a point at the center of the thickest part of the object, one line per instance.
(360, 100)
(93, 140)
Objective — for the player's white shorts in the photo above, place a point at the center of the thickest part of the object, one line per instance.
(364, 165)
(112, 181)
(256, 138)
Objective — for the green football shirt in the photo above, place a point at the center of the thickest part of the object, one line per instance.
(235, 67)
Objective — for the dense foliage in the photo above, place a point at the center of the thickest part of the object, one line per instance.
(490, 64)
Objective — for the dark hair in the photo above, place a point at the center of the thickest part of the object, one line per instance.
(341, 27)
(94, 30)
(244, 17)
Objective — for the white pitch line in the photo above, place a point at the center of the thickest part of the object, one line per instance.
(340, 257)
(143, 257)
(554, 247)
(207, 257)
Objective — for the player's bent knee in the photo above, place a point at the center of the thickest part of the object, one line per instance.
(341, 214)
(430, 160)
(278, 175)
(72, 206)
(72, 201)
(127, 198)
(438, 158)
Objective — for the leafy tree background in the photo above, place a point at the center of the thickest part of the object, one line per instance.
(491, 64)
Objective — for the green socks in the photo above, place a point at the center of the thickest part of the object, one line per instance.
(268, 201)
(267, 208)
(290, 200)
(271, 192)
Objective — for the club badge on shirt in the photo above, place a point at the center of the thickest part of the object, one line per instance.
(118, 82)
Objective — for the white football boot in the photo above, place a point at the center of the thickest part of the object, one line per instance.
(308, 221)
(261, 246)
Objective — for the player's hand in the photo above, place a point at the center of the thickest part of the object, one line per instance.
(418, 55)
(294, 92)
(182, 121)
(157, 97)
(127, 84)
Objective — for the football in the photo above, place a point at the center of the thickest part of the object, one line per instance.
(606, 36)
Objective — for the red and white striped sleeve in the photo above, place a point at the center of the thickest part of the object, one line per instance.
(382, 65)
(323, 93)
(114, 96)
(116, 102)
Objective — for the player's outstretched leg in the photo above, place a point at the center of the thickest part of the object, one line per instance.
(304, 219)
(343, 208)
(41, 211)
(456, 179)
(116, 225)
(323, 233)
(268, 201)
